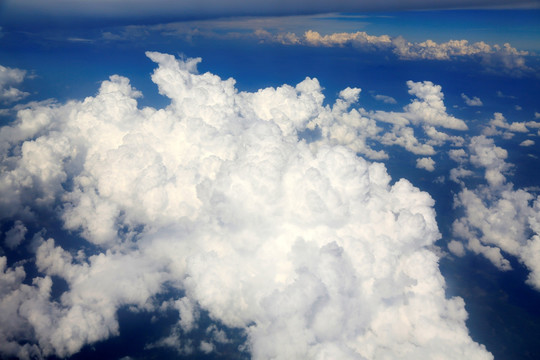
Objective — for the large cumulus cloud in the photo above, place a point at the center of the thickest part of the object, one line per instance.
(310, 250)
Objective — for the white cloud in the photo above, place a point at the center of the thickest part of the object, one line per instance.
(458, 155)
(491, 57)
(429, 106)
(385, 98)
(357, 127)
(339, 39)
(308, 247)
(291, 30)
(499, 121)
(533, 124)
(475, 101)
(15, 235)
(456, 247)
(426, 164)
(492, 158)
(9, 78)
(457, 173)
(527, 142)
(498, 219)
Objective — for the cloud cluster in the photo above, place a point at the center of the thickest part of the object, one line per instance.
(297, 31)
(474, 101)
(498, 219)
(358, 127)
(218, 197)
(491, 56)
(500, 126)
(9, 79)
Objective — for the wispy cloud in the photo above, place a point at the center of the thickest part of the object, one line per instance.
(101, 10)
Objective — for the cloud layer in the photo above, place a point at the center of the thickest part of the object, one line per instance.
(491, 56)
(305, 245)
(141, 9)
(498, 219)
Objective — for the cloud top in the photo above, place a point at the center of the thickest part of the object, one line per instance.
(218, 197)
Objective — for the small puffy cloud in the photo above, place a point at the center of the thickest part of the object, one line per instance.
(456, 247)
(527, 142)
(218, 197)
(457, 173)
(458, 155)
(15, 235)
(429, 107)
(475, 101)
(9, 79)
(499, 121)
(426, 164)
(533, 124)
(485, 154)
(537, 115)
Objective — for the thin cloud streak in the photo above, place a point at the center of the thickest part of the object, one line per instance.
(101, 10)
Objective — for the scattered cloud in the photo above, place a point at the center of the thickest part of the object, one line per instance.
(475, 101)
(500, 122)
(217, 196)
(385, 98)
(9, 79)
(426, 164)
(357, 127)
(527, 142)
(502, 95)
(498, 220)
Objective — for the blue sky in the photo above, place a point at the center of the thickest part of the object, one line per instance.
(346, 180)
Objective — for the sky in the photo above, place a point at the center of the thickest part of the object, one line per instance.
(322, 180)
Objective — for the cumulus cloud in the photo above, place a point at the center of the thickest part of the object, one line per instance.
(357, 128)
(218, 196)
(291, 31)
(458, 155)
(426, 164)
(15, 235)
(339, 39)
(475, 101)
(498, 219)
(495, 56)
(9, 79)
(527, 142)
(499, 121)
